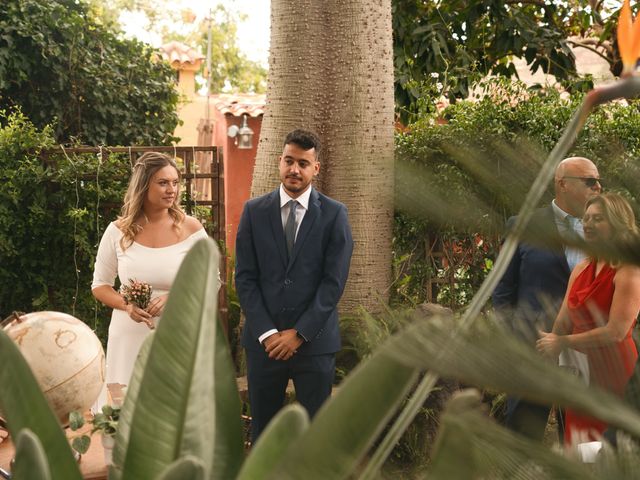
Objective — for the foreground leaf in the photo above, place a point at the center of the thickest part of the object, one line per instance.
(471, 445)
(347, 425)
(486, 356)
(177, 412)
(185, 468)
(20, 388)
(282, 432)
(31, 459)
(129, 405)
(406, 416)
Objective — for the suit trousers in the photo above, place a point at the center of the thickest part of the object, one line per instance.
(267, 379)
(528, 419)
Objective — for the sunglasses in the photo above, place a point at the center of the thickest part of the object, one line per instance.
(588, 181)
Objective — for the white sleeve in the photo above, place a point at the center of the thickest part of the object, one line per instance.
(200, 234)
(105, 269)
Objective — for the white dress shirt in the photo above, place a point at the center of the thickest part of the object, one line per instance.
(568, 226)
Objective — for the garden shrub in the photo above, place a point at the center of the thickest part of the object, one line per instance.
(64, 67)
(463, 171)
(52, 215)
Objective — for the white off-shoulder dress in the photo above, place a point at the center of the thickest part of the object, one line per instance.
(156, 266)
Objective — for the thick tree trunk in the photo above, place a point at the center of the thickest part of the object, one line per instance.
(331, 69)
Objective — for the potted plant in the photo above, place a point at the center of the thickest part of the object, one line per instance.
(105, 422)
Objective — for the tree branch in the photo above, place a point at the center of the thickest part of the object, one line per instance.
(593, 49)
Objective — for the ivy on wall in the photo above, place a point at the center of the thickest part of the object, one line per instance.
(63, 67)
(51, 222)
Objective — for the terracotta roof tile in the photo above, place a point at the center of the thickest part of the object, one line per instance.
(180, 55)
(237, 104)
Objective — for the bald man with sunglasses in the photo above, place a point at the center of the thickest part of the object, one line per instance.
(530, 292)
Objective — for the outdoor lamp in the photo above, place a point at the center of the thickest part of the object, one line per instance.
(243, 135)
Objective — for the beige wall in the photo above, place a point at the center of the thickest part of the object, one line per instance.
(190, 112)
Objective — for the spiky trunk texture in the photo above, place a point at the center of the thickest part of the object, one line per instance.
(331, 70)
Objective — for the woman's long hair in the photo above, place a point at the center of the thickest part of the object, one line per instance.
(625, 234)
(145, 168)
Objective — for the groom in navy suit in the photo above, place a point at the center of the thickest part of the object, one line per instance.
(532, 288)
(293, 251)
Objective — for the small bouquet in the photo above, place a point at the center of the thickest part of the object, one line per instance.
(136, 292)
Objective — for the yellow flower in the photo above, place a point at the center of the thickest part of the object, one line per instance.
(628, 39)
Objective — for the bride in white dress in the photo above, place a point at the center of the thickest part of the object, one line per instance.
(147, 243)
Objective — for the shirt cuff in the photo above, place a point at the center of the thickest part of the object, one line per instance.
(266, 335)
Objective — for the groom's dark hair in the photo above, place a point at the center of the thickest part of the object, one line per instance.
(305, 139)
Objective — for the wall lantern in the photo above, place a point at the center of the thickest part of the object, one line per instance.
(243, 135)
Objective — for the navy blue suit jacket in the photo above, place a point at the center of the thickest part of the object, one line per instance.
(301, 293)
(531, 290)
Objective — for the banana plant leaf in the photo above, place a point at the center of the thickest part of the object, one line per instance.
(20, 388)
(487, 356)
(347, 425)
(392, 437)
(184, 468)
(187, 395)
(283, 431)
(31, 459)
(471, 445)
(128, 407)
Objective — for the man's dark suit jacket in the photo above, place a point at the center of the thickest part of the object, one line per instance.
(528, 297)
(532, 289)
(300, 293)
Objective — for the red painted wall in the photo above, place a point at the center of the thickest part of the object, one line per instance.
(238, 170)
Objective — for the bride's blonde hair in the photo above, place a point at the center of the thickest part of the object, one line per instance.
(145, 168)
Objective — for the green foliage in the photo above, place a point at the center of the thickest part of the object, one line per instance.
(231, 70)
(482, 158)
(464, 41)
(31, 460)
(106, 421)
(190, 396)
(51, 222)
(63, 67)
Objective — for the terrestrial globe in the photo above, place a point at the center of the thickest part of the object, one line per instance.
(66, 358)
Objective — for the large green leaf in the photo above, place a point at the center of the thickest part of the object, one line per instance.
(19, 390)
(282, 432)
(228, 445)
(486, 356)
(348, 424)
(177, 411)
(31, 459)
(391, 439)
(185, 468)
(128, 407)
(471, 445)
